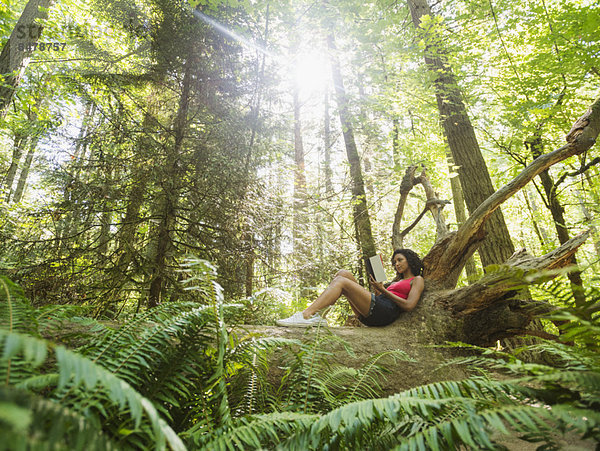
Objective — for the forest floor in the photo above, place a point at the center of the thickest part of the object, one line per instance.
(567, 442)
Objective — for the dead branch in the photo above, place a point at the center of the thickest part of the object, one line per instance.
(433, 204)
(500, 284)
(408, 181)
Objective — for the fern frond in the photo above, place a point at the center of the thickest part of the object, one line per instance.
(16, 313)
(75, 370)
(247, 363)
(32, 422)
(252, 432)
(371, 373)
(346, 423)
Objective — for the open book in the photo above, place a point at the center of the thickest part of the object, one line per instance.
(375, 268)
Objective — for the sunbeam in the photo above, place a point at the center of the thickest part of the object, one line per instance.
(232, 34)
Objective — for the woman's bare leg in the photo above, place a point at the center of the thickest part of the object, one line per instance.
(345, 284)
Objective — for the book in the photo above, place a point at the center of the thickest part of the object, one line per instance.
(375, 268)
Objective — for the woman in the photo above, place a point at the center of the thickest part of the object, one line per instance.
(380, 308)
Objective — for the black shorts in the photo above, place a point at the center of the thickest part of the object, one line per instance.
(383, 311)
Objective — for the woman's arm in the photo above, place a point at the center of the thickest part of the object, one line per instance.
(416, 289)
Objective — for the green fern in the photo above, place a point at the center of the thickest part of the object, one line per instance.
(247, 363)
(252, 432)
(76, 371)
(538, 402)
(16, 313)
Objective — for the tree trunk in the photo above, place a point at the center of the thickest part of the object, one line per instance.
(488, 309)
(15, 55)
(474, 177)
(254, 128)
(81, 143)
(362, 220)
(64, 227)
(535, 146)
(396, 141)
(35, 131)
(18, 147)
(461, 216)
(169, 196)
(433, 205)
(447, 257)
(299, 179)
(327, 146)
(120, 272)
(106, 216)
(589, 220)
(25, 170)
(540, 231)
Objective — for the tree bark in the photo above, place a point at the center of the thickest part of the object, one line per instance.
(508, 279)
(461, 216)
(327, 146)
(25, 170)
(433, 204)
(299, 178)
(540, 231)
(15, 57)
(255, 124)
(407, 183)
(362, 220)
(460, 134)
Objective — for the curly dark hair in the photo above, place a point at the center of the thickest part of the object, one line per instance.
(413, 259)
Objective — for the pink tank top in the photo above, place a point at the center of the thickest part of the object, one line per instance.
(401, 288)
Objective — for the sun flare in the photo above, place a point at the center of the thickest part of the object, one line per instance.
(311, 72)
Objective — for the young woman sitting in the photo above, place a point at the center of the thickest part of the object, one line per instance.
(380, 308)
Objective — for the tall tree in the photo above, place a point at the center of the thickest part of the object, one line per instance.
(19, 143)
(169, 196)
(299, 170)
(460, 134)
(362, 221)
(17, 51)
(327, 143)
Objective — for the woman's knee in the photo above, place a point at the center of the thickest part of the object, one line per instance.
(345, 273)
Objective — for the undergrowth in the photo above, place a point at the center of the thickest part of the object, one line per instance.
(176, 377)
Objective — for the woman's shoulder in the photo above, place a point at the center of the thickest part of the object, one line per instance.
(418, 279)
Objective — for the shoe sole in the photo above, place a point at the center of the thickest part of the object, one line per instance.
(299, 325)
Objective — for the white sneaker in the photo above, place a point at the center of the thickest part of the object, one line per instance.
(297, 320)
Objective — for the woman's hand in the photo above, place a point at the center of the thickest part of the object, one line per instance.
(378, 287)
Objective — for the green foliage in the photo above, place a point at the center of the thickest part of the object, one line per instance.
(136, 161)
(123, 382)
(175, 375)
(538, 402)
(312, 382)
(17, 314)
